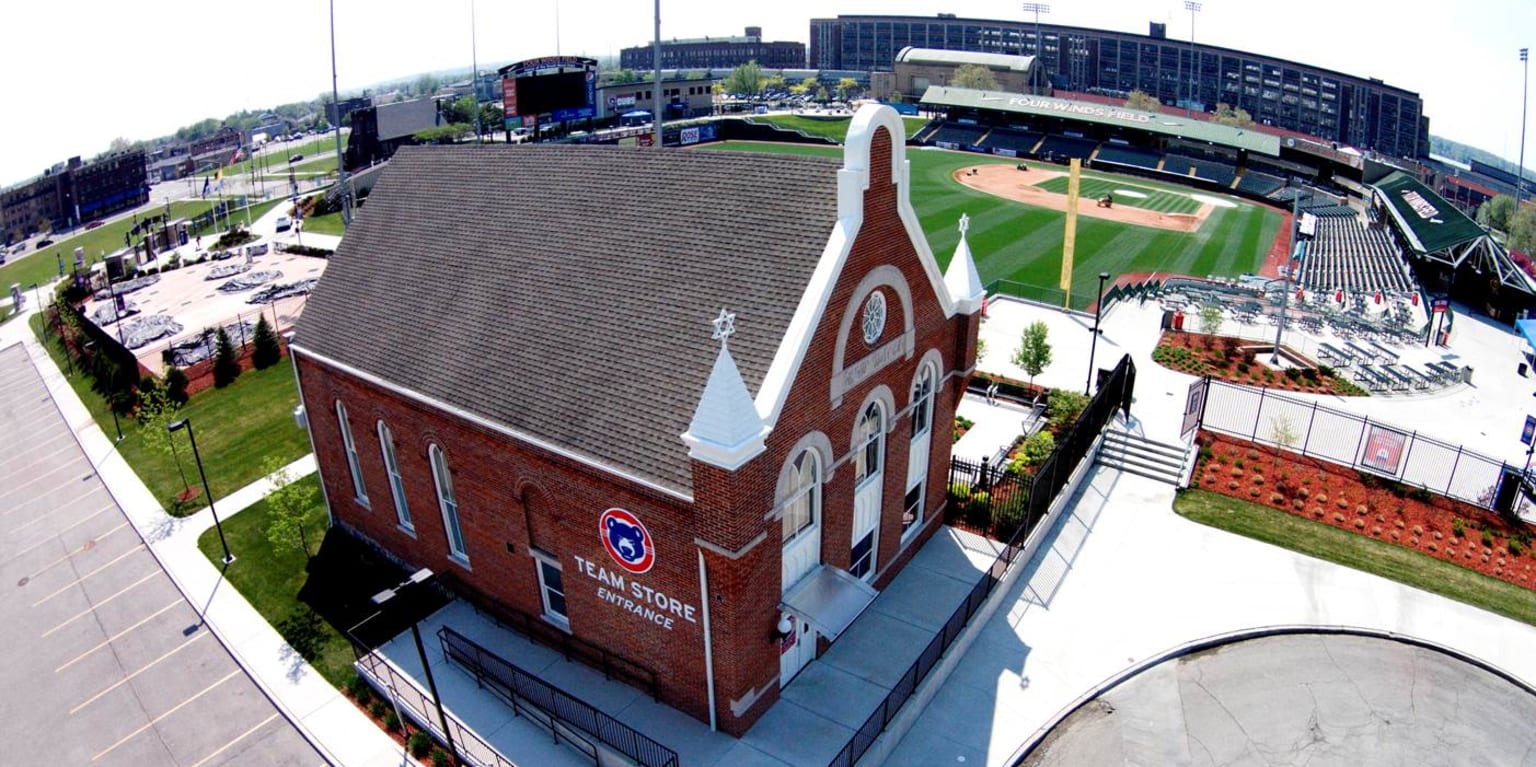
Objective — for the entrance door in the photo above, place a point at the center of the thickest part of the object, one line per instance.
(801, 553)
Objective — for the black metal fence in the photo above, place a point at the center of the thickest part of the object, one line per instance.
(519, 687)
(1318, 431)
(1041, 489)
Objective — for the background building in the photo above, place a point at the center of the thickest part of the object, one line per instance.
(1358, 111)
(681, 98)
(716, 52)
(918, 68)
(74, 192)
(377, 131)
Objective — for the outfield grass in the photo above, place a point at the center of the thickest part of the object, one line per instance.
(834, 128)
(237, 428)
(1327, 542)
(1018, 247)
(1093, 188)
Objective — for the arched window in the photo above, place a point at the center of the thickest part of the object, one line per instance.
(922, 402)
(802, 505)
(871, 434)
(447, 502)
(358, 490)
(392, 468)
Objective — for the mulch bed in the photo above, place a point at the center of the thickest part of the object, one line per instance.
(1362, 503)
(1225, 357)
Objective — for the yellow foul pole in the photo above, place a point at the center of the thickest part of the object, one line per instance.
(1069, 240)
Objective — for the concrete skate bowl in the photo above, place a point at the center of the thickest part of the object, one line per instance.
(1300, 698)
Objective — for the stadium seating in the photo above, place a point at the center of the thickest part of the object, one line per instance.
(1210, 170)
(1062, 148)
(1348, 256)
(1125, 155)
(1020, 142)
(957, 134)
(1259, 184)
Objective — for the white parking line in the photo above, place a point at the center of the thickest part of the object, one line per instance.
(66, 557)
(62, 507)
(156, 720)
(96, 606)
(142, 669)
(239, 738)
(118, 635)
(78, 581)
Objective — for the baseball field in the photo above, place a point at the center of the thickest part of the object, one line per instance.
(1017, 246)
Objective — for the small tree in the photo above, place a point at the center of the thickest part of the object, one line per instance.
(176, 385)
(1282, 433)
(847, 88)
(157, 409)
(746, 79)
(265, 351)
(287, 504)
(1210, 320)
(1034, 352)
(973, 76)
(226, 364)
(1142, 100)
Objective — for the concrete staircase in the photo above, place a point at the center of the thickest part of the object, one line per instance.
(1138, 455)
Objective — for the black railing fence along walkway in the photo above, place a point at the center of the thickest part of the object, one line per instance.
(521, 688)
(1114, 394)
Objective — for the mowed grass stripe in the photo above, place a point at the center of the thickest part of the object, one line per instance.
(1022, 244)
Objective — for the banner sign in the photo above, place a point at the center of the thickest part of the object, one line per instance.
(1194, 402)
(1528, 434)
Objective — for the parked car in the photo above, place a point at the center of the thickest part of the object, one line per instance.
(94, 224)
(284, 223)
(295, 158)
(45, 242)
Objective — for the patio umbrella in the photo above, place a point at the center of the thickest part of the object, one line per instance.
(1527, 329)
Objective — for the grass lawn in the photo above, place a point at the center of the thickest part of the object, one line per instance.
(237, 428)
(834, 128)
(310, 597)
(276, 162)
(1094, 187)
(322, 165)
(329, 223)
(1359, 552)
(43, 265)
(1021, 244)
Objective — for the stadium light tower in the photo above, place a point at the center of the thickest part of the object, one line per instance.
(656, 78)
(1038, 8)
(1194, 68)
(1525, 96)
(474, 70)
(341, 163)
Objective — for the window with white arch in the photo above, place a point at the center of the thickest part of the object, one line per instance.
(802, 504)
(396, 485)
(358, 490)
(447, 503)
(867, 454)
(922, 402)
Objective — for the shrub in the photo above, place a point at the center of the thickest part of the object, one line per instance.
(363, 693)
(960, 491)
(1310, 374)
(440, 758)
(391, 720)
(226, 364)
(377, 709)
(1293, 374)
(1514, 548)
(1064, 407)
(1238, 463)
(1487, 540)
(1326, 372)
(176, 385)
(1037, 448)
(266, 351)
(1458, 527)
(1243, 368)
(419, 743)
(357, 686)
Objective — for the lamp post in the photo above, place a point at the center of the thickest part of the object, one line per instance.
(383, 597)
(176, 426)
(1093, 346)
(1037, 9)
(1524, 97)
(1189, 99)
(341, 163)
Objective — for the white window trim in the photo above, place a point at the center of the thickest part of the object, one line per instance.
(810, 490)
(354, 463)
(859, 449)
(925, 371)
(396, 483)
(437, 458)
(540, 559)
(922, 507)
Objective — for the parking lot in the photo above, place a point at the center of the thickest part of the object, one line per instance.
(106, 663)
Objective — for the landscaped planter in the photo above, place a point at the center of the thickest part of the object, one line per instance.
(1239, 361)
(1363, 503)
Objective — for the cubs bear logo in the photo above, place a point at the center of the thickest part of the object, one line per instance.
(627, 541)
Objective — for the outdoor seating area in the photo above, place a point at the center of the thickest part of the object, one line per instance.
(1353, 258)
(957, 134)
(1115, 154)
(1020, 142)
(1062, 148)
(1378, 369)
(1258, 183)
(1210, 170)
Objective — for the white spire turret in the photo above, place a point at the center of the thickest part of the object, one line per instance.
(726, 430)
(961, 278)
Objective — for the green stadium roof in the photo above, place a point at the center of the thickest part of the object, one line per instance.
(1432, 224)
(1045, 106)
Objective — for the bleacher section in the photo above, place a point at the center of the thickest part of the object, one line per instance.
(1209, 170)
(1063, 148)
(1260, 184)
(1348, 256)
(1123, 155)
(1020, 142)
(958, 135)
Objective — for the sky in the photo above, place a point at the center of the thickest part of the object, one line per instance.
(142, 69)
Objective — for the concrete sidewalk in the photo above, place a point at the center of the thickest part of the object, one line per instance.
(341, 732)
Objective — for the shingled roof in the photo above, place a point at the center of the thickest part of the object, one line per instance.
(567, 292)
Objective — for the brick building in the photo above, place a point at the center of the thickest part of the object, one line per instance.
(716, 53)
(511, 376)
